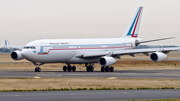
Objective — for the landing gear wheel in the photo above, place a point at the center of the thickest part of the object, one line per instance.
(88, 68)
(74, 68)
(107, 69)
(111, 69)
(37, 69)
(102, 69)
(64, 68)
(69, 68)
(91, 69)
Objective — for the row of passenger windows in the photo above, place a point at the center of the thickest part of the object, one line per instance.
(29, 47)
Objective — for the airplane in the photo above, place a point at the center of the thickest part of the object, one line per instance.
(104, 51)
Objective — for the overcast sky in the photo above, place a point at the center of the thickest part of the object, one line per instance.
(22, 21)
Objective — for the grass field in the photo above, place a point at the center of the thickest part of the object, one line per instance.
(58, 83)
(154, 100)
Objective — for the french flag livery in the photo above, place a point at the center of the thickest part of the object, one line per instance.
(6, 42)
(133, 29)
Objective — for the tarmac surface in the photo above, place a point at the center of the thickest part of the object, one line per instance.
(94, 95)
(174, 74)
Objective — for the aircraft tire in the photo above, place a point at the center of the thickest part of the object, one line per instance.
(111, 69)
(74, 68)
(107, 69)
(37, 69)
(91, 69)
(88, 68)
(69, 68)
(64, 68)
(102, 69)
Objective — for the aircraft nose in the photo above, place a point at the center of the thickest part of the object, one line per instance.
(24, 53)
(28, 54)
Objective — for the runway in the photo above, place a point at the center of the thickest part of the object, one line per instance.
(95, 95)
(173, 74)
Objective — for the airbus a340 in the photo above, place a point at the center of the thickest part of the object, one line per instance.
(104, 51)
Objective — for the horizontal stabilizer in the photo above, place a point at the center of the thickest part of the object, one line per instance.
(154, 40)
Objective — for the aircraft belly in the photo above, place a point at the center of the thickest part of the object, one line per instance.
(82, 61)
(54, 57)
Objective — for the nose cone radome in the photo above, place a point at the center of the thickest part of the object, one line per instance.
(27, 54)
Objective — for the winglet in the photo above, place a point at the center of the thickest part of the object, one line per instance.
(133, 29)
(6, 42)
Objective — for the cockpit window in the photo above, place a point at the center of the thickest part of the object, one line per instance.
(29, 47)
(32, 47)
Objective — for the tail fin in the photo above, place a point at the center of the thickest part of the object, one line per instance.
(6, 42)
(133, 29)
(7, 45)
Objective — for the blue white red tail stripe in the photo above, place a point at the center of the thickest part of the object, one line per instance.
(136, 23)
(132, 31)
(6, 42)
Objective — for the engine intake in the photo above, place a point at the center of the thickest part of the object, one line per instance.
(106, 61)
(16, 55)
(158, 56)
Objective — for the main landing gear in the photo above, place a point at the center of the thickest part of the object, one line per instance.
(107, 69)
(69, 68)
(90, 67)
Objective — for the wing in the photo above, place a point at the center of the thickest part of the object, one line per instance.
(128, 52)
(7, 45)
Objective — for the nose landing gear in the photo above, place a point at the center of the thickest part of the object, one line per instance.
(37, 69)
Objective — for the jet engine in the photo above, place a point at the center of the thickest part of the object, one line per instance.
(158, 56)
(16, 55)
(106, 61)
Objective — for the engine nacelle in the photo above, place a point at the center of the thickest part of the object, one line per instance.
(158, 56)
(16, 55)
(106, 61)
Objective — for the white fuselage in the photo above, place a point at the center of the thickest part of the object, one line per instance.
(66, 50)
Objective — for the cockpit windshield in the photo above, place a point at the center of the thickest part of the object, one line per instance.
(29, 47)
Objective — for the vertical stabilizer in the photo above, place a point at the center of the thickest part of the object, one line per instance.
(133, 29)
(6, 42)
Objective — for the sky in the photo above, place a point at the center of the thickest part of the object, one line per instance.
(22, 21)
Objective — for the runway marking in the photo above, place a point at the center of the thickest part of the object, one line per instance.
(78, 74)
(47, 72)
(47, 75)
(158, 73)
(111, 78)
(36, 77)
(166, 73)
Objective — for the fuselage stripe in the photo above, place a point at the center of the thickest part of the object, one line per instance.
(82, 49)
